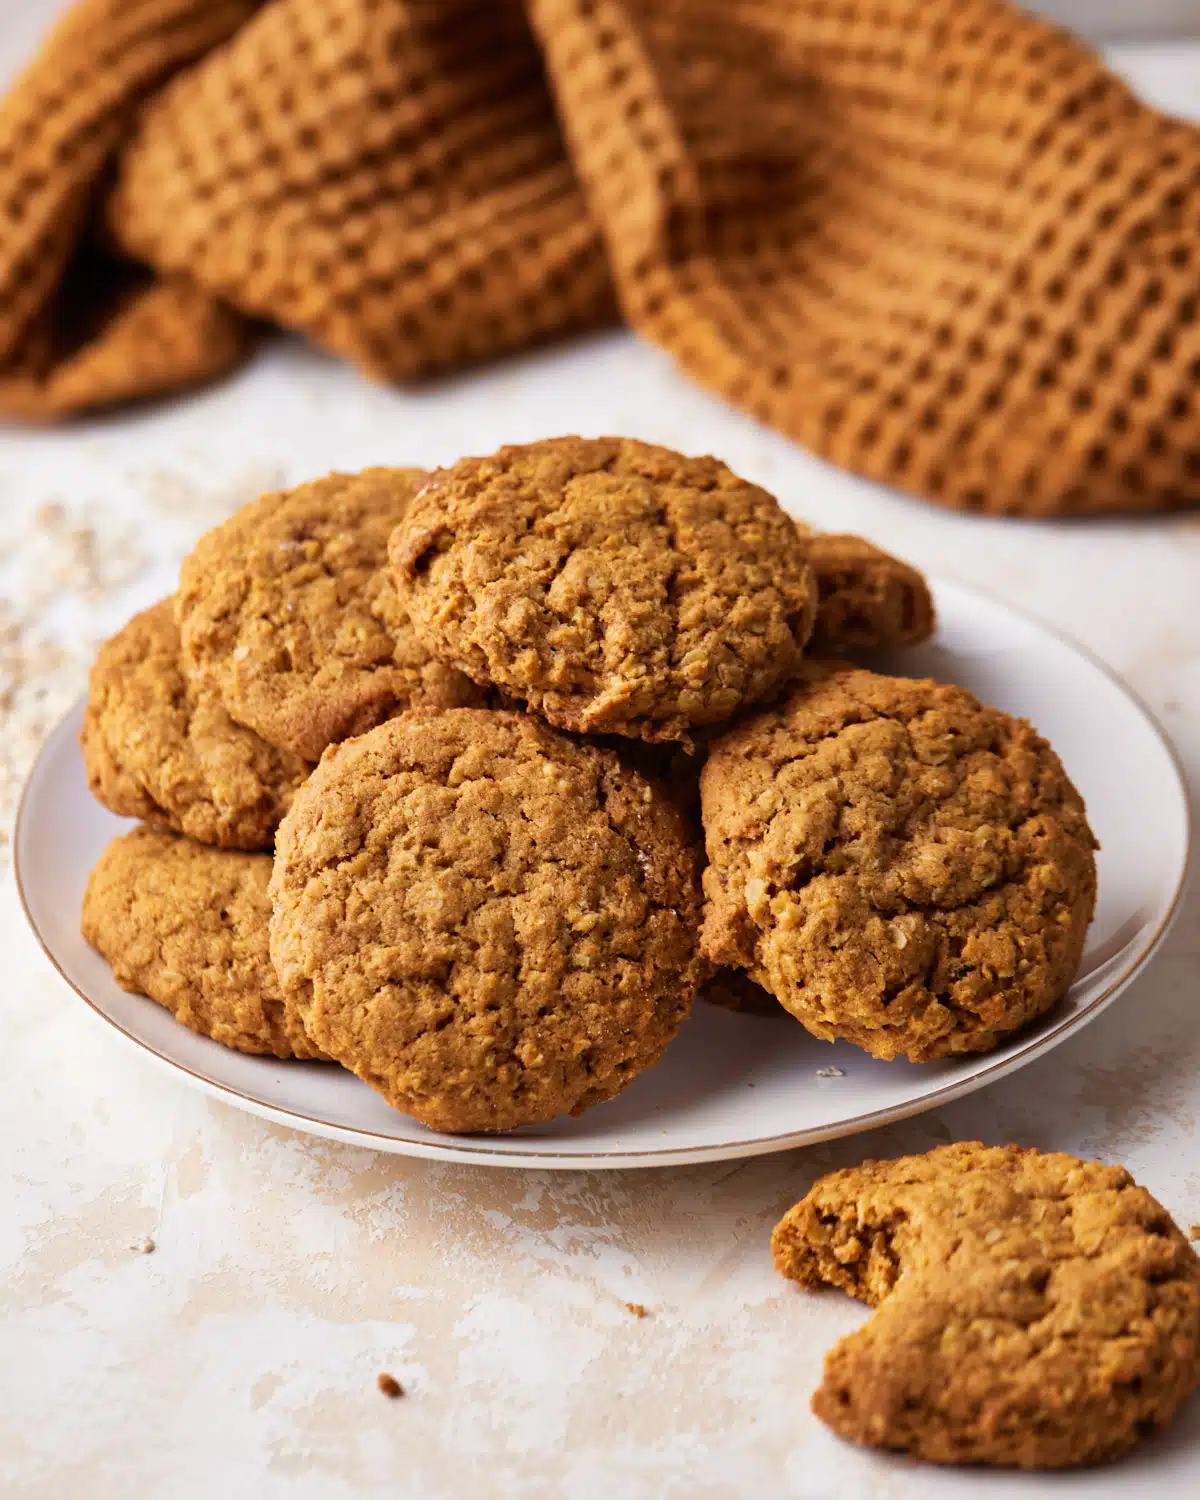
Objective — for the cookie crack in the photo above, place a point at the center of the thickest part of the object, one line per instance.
(667, 521)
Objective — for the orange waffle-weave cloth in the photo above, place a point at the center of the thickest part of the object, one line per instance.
(934, 240)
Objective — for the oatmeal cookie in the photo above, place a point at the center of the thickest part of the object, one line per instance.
(1034, 1310)
(159, 748)
(285, 612)
(866, 597)
(898, 864)
(488, 922)
(614, 587)
(187, 925)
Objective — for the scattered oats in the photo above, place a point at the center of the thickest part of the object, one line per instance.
(61, 554)
(176, 495)
(76, 551)
(831, 1072)
(39, 680)
(636, 1310)
(390, 1386)
(63, 568)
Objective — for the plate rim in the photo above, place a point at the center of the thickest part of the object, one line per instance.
(456, 1149)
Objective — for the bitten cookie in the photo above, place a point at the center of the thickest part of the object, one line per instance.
(159, 748)
(187, 925)
(285, 612)
(489, 923)
(1034, 1310)
(898, 864)
(614, 587)
(866, 597)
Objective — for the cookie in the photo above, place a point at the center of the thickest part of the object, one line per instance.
(487, 922)
(867, 598)
(187, 925)
(614, 587)
(1034, 1310)
(898, 864)
(284, 612)
(159, 748)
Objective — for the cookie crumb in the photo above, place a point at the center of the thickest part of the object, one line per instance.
(144, 1247)
(831, 1072)
(635, 1309)
(1194, 1232)
(390, 1386)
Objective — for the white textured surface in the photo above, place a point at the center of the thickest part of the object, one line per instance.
(239, 1358)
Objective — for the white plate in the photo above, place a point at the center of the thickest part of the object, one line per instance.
(730, 1085)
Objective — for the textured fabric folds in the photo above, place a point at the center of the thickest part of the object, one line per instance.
(935, 241)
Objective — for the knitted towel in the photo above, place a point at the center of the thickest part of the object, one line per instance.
(934, 240)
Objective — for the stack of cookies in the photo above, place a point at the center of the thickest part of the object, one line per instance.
(470, 781)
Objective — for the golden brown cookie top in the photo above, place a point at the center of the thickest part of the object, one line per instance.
(284, 610)
(489, 923)
(187, 925)
(866, 597)
(897, 863)
(614, 586)
(159, 748)
(1034, 1309)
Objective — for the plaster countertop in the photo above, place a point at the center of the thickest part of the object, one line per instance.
(239, 1355)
